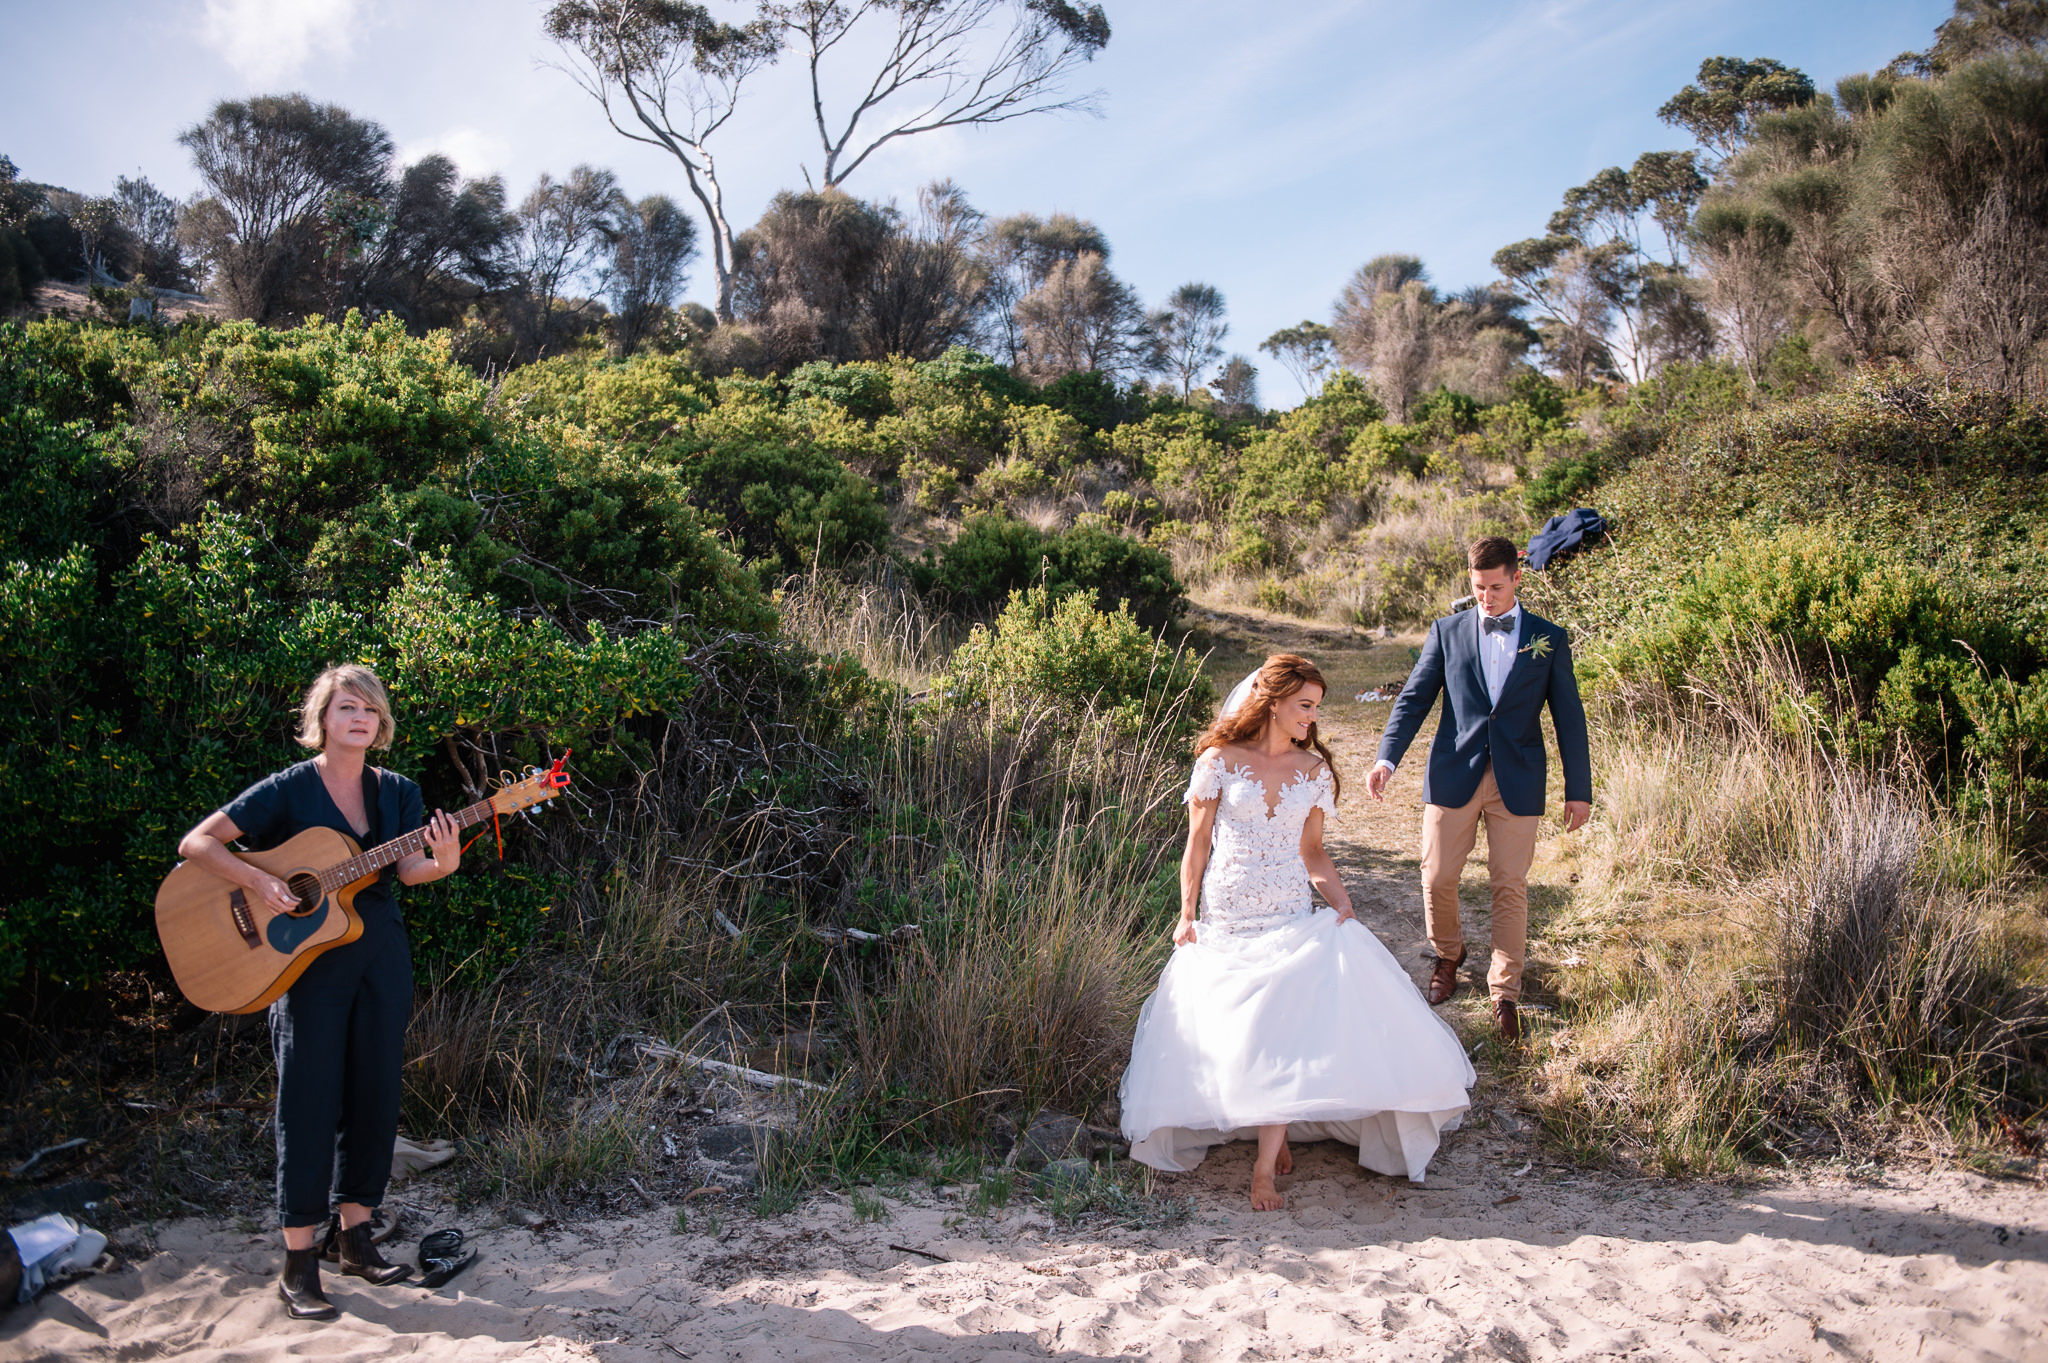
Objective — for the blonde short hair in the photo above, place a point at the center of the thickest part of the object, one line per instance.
(359, 682)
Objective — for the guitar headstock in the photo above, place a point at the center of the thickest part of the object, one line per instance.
(531, 789)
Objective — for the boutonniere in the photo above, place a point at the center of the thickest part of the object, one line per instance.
(1538, 647)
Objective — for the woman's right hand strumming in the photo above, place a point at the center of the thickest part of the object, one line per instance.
(276, 894)
(207, 844)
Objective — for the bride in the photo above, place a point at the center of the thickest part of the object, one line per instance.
(1272, 1019)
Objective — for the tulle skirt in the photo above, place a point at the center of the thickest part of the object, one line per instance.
(1312, 1023)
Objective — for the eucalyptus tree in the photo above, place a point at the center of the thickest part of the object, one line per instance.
(1804, 166)
(652, 244)
(150, 218)
(1381, 327)
(1082, 317)
(1307, 350)
(20, 200)
(1609, 219)
(1191, 327)
(1236, 386)
(1744, 247)
(1954, 187)
(926, 291)
(562, 231)
(1722, 107)
(799, 273)
(1015, 255)
(434, 244)
(1571, 289)
(1979, 28)
(668, 74)
(919, 66)
(271, 166)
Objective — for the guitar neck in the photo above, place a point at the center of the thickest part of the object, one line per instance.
(384, 854)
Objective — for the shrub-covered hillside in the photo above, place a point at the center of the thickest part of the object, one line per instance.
(1889, 538)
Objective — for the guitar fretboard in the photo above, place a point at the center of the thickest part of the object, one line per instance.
(384, 854)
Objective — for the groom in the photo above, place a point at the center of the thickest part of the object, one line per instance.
(1496, 668)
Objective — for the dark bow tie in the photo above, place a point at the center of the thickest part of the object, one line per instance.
(1496, 624)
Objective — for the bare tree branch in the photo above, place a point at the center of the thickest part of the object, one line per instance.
(939, 70)
(668, 75)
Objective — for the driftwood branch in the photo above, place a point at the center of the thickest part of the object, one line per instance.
(758, 1078)
(839, 937)
(18, 1170)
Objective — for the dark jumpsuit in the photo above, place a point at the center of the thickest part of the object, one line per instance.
(339, 1031)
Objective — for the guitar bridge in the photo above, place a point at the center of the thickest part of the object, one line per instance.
(245, 922)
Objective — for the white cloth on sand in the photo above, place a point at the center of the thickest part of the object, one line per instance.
(1277, 1013)
(410, 1157)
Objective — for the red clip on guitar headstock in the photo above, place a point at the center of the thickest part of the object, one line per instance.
(556, 777)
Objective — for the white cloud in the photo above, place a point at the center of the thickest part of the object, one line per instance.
(268, 40)
(473, 151)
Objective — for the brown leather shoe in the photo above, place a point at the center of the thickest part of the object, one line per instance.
(359, 1258)
(1510, 1019)
(1443, 981)
(299, 1285)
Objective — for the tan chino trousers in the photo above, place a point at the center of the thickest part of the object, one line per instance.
(1448, 836)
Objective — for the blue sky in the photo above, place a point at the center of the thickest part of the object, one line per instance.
(1267, 149)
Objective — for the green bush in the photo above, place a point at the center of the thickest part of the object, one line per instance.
(996, 554)
(21, 268)
(863, 390)
(1061, 654)
(755, 470)
(155, 656)
(1887, 536)
(1092, 398)
(1184, 454)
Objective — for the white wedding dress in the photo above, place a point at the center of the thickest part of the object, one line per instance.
(1277, 1013)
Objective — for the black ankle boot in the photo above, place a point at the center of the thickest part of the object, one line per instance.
(361, 1258)
(299, 1285)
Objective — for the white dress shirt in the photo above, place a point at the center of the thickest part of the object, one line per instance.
(1497, 649)
(1496, 656)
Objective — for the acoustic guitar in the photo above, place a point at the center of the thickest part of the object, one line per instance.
(233, 954)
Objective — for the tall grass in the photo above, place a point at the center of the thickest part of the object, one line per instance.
(877, 620)
(1025, 990)
(1778, 952)
(1019, 878)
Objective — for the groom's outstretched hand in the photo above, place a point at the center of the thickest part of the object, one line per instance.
(1576, 812)
(1376, 782)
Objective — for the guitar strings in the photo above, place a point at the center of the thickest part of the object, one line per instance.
(376, 859)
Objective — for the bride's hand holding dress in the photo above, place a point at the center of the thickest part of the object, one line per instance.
(1270, 1014)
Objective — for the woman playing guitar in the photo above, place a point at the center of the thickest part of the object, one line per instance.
(339, 1031)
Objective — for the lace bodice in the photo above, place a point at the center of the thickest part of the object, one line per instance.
(1256, 878)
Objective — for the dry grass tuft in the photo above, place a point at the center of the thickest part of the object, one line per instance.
(1779, 954)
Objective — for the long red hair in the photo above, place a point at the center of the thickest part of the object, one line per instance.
(1280, 676)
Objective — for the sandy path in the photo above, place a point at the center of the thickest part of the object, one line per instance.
(1502, 1255)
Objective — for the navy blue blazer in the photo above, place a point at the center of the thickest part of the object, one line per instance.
(1475, 731)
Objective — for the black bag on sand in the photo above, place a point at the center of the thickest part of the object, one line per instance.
(441, 1257)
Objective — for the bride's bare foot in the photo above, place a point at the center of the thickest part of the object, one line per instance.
(1284, 1162)
(1265, 1197)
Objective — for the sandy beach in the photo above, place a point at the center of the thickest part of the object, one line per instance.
(1477, 1264)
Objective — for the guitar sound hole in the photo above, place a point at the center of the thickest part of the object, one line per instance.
(307, 887)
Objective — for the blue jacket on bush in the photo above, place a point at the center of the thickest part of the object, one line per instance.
(1475, 731)
(1564, 535)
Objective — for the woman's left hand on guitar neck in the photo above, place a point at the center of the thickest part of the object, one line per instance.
(444, 841)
